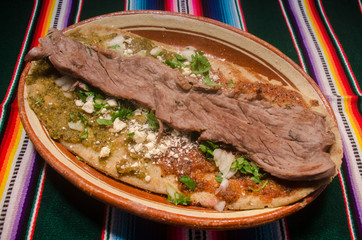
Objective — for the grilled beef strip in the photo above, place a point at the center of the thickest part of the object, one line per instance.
(288, 142)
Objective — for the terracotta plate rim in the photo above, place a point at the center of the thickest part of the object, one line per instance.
(158, 214)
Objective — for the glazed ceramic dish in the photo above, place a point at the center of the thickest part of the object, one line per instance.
(182, 30)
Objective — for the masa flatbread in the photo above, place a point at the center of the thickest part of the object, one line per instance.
(131, 150)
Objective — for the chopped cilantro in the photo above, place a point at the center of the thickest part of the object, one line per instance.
(199, 63)
(122, 113)
(98, 98)
(178, 198)
(130, 134)
(231, 84)
(152, 120)
(100, 107)
(176, 62)
(83, 95)
(38, 101)
(177, 102)
(261, 187)
(115, 46)
(208, 148)
(89, 51)
(209, 82)
(85, 134)
(102, 121)
(71, 117)
(188, 182)
(85, 122)
(246, 167)
(219, 177)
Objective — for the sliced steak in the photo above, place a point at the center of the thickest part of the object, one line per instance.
(288, 142)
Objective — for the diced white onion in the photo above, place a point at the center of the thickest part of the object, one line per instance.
(65, 82)
(219, 206)
(112, 102)
(223, 185)
(156, 51)
(142, 53)
(188, 52)
(78, 126)
(117, 40)
(223, 160)
(171, 190)
(230, 174)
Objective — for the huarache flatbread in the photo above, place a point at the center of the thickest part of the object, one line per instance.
(192, 162)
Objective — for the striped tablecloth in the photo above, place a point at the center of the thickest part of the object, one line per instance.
(323, 37)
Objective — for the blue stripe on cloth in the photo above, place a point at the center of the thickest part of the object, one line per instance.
(146, 5)
(224, 11)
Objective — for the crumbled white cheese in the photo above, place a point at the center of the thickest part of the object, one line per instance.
(137, 112)
(148, 178)
(118, 125)
(104, 111)
(106, 116)
(139, 137)
(112, 102)
(88, 106)
(136, 164)
(150, 146)
(163, 148)
(78, 126)
(215, 77)
(186, 71)
(151, 137)
(67, 94)
(128, 40)
(175, 133)
(138, 147)
(79, 103)
(105, 152)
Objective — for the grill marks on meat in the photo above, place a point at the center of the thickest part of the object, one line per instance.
(289, 143)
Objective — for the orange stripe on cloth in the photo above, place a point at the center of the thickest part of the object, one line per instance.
(10, 145)
(338, 72)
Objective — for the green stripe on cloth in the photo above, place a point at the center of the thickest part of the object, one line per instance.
(342, 15)
(14, 25)
(324, 218)
(65, 212)
(264, 19)
(93, 8)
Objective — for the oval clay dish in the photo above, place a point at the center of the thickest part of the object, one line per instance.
(215, 38)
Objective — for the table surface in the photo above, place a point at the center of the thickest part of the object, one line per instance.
(323, 37)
